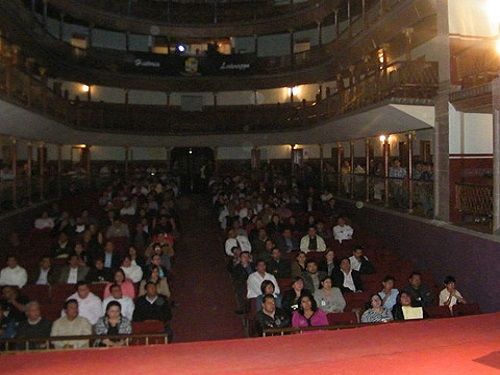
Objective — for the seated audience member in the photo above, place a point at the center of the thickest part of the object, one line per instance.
(269, 316)
(132, 271)
(290, 298)
(63, 247)
(13, 274)
(237, 240)
(360, 263)
(347, 279)
(160, 251)
(126, 303)
(7, 323)
(328, 264)
(299, 266)
(376, 312)
(117, 230)
(110, 259)
(255, 280)
(35, 326)
(308, 314)
(152, 306)
(161, 283)
(73, 272)
(405, 304)
(325, 196)
(135, 258)
(15, 302)
(420, 293)
(312, 242)
(239, 274)
(127, 286)
(259, 243)
(267, 287)
(45, 274)
(277, 266)
(328, 298)
(450, 296)
(79, 250)
(89, 305)
(323, 231)
(44, 222)
(389, 294)
(113, 323)
(312, 277)
(71, 324)
(342, 231)
(287, 242)
(99, 274)
(128, 209)
(156, 261)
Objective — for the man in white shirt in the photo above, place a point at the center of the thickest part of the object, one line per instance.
(126, 302)
(44, 222)
(359, 262)
(128, 209)
(13, 274)
(450, 296)
(45, 275)
(237, 240)
(89, 305)
(347, 279)
(342, 231)
(255, 280)
(132, 272)
(312, 242)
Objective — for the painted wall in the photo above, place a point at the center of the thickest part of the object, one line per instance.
(470, 133)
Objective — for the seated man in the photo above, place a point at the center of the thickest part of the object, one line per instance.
(323, 231)
(450, 296)
(360, 263)
(15, 302)
(239, 273)
(312, 242)
(7, 324)
(286, 242)
(420, 293)
(277, 266)
(255, 280)
(152, 306)
(259, 243)
(117, 229)
(342, 231)
(45, 274)
(73, 272)
(71, 324)
(110, 259)
(33, 327)
(269, 316)
(312, 277)
(99, 274)
(236, 240)
(44, 222)
(347, 279)
(389, 294)
(127, 304)
(13, 274)
(89, 305)
(63, 247)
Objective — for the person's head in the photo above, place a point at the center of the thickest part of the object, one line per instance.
(269, 304)
(301, 257)
(45, 215)
(63, 238)
(3, 308)
(269, 245)
(341, 221)
(109, 247)
(11, 261)
(345, 264)
(311, 231)
(287, 233)
(126, 262)
(311, 266)
(276, 253)
(329, 255)
(262, 234)
(10, 292)
(99, 264)
(156, 260)
(116, 291)
(113, 310)
(397, 163)
(73, 261)
(415, 280)
(260, 266)
(119, 276)
(267, 287)
(45, 263)
(132, 252)
(307, 303)
(404, 299)
(358, 252)
(388, 283)
(326, 283)
(151, 290)
(32, 311)
(245, 257)
(71, 308)
(320, 226)
(275, 219)
(155, 273)
(83, 290)
(375, 301)
(449, 282)
(231, 233)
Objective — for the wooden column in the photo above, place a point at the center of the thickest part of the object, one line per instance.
(322, 165)
(386, 151)
(367, 169)
(351, 160)
(61, 26)
(59, 171)
(41, 167)
(29, 170)
(13, 156)
(349, 18)
(320, 33)
(255, 158)
(127, 156)
(340, 157)
(44, 15)
(292, 48)
(43, 80)
(88, 164)
(410, 171)
(337, 25)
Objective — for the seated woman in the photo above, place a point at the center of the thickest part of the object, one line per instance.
(290, 298)
(113, 323)
(328, 298)
(328, 263)
(404, 310)
(376, 312)
(119, 278)
(308, 314)
(299, 265)
(450, 296)
(160, 282)
(267, 287)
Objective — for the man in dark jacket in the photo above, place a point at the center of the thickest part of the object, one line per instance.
(345, 278)
(270, 316)
(312, 277)
(277, 266)
(420, 293)
(152, 306)
(35, 326)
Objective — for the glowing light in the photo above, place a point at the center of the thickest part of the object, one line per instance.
(493, 10)
(295, 90)
(85, 88)
(497, 46)
(382, 138)
(190, 151)
(380, 55)
(181, 48)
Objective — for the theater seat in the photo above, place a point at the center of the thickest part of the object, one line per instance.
(345, 318)
(464, 309)
(51, 311)
(97, 289)
(284, 284)
(60, 293)
(356, 300)
(40, 293)
(148, 327)
(438, 312)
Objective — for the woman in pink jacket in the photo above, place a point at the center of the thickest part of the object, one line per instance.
(308, 314)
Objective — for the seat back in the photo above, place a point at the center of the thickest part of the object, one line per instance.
(464, 309)
(148, 327)
(40, 293)
(60, 293)
(345, 318)
(438, 312)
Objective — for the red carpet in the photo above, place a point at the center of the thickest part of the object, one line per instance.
(468, 345)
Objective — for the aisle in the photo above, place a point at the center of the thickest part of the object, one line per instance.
(203, 289)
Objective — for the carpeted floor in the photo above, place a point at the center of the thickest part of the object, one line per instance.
(203, 288)
(456, 346)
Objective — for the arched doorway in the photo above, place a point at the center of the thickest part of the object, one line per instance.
(194, 165)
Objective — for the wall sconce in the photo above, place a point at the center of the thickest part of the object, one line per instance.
(382, 138)
(85, 88)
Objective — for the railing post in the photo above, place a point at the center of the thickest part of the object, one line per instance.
(59, 171)
(340, 156)
(13, 155)
(127, 156)
(410, 172)
(367, 169)
(292, 48)
(322, 166)
(337, 26)
(41, 165)
(351, 160)
(29, 170)
(386, 151)
(320, 33)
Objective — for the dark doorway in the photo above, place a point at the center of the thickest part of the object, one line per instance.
(194, 165)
